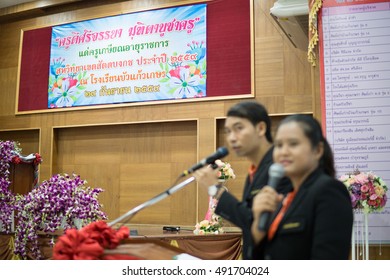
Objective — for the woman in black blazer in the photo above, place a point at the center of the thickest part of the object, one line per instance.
(315, 220)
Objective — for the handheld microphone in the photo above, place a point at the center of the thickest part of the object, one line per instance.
(275, 173)
(220, 153)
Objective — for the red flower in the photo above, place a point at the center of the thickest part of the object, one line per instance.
(176, 72)
(89, 242)
(72, 82)
(16, 160)
(38, 159)
(106, 236)
(76, 245)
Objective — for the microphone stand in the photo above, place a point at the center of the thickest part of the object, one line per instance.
(125, 217)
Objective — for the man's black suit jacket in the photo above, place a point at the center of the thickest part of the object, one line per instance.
(239, 212)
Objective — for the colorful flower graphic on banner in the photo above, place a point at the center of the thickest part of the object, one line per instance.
(187, 80)
(65, 90)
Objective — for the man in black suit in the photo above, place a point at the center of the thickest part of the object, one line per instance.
(248, 133)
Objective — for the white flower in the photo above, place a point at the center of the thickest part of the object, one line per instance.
(65, 93)
(185, 84)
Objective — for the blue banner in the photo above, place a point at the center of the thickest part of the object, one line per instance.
(145, 56)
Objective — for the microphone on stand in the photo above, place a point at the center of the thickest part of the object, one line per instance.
(275, 173)
(220, 153)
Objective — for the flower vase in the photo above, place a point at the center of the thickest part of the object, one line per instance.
(359, 240)
(213, 202)
(211, 208)
(366, 235)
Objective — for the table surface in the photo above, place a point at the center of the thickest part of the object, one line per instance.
(210, 246)
(143, 231)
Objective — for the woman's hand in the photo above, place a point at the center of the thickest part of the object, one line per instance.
(267, 200)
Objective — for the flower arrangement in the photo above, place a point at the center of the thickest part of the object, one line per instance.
(367, 190)
(8, 151)
(7, 200)
(212, 226)
(58, 203)
(212, 223)
(61, 202)
(90, 242)
(225, 170)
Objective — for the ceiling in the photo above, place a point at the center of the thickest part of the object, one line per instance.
(8, 3)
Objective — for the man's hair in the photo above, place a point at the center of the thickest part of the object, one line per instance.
(254, 112)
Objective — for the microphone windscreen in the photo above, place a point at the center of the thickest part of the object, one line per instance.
(220, 153)
(276, 173)
(276, 170)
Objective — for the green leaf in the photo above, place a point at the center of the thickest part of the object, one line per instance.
(164, 80)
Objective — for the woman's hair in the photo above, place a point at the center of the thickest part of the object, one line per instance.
(254, 112)
(312, 130)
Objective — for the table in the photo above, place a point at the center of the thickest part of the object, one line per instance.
(226, 246)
